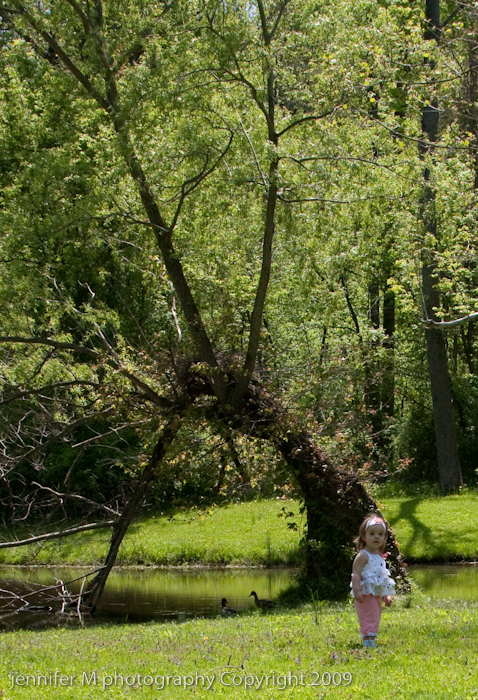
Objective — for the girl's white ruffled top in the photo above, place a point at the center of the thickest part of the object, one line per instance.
(376, 579)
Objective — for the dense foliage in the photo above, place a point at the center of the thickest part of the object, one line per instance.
(198, 193)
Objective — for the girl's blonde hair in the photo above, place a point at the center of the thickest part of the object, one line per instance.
(359, 541)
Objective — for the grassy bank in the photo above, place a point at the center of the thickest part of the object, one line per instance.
(426, 650)
(429, 528)
(434, 528)
(247, 534)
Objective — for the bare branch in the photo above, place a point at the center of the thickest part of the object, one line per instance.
(113, 431)
(77, 497)
(116, 362)
(39, 392)
(59, 533)
(429, 323)
(66, 430)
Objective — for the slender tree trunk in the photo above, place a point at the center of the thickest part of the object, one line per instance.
(380, 388)
(445, 433)
(94, 590)
(373, 393)
(447, 448)
(388, 386)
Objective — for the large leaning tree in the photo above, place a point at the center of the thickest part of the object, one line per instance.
(157, 156)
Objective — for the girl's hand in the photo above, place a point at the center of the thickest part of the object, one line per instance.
(358, 595)
(387, 600)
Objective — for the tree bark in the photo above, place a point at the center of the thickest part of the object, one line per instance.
(58, 534)
(95, 588)
(445, 433)
(447, 448)
(335, 501)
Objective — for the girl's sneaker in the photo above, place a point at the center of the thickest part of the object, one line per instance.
(369, 643)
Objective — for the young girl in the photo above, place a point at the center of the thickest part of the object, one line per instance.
(371, 581)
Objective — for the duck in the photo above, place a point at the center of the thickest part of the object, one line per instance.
(226, 610)
(262, 602)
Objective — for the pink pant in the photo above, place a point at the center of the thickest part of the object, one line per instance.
(368, 613)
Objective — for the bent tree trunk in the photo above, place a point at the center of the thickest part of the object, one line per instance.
(334, 499)
(336, 503)
(95, 589)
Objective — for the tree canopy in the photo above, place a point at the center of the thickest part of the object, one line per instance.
(213, 214)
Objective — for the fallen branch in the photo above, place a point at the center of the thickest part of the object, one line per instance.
(60, 533)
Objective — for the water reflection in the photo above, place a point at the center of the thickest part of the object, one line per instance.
(165, 594)
(138, 595)
(458, 581)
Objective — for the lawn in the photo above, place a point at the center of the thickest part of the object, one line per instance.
(247, 534)
(428, 528)
(435, 528)
(426, 650)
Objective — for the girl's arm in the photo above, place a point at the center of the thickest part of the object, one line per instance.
(359, 562)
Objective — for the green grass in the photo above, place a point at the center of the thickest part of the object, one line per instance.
(428, 528)
(426, 650)
(434, 528)
(247, 534)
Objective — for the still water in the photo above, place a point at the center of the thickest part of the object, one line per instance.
(459, 581)
(158, 594)
(135, 595)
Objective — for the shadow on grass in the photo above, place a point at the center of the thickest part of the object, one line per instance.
(420, 531)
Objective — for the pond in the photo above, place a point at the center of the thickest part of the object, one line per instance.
(447, 580)
(163, 594)
(135, 594)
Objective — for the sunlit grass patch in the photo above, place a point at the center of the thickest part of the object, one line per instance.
(428, 528)
(426, 650)
(435, 528)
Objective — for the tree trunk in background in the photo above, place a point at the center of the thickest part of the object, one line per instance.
(447, 448)
(381, 388)
(446, 441)
(388, 386)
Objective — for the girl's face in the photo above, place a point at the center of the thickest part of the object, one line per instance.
(374, 538)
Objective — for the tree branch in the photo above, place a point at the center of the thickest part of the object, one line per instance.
(278, 18)
(115, 362)
(77, 497)
(59, 533)
(265, 31)
(84, 19)
(81, 350)
(63, 56)
(262, 287)
(190, 185)
(58, 385)
(430, 323)
(310, 118)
